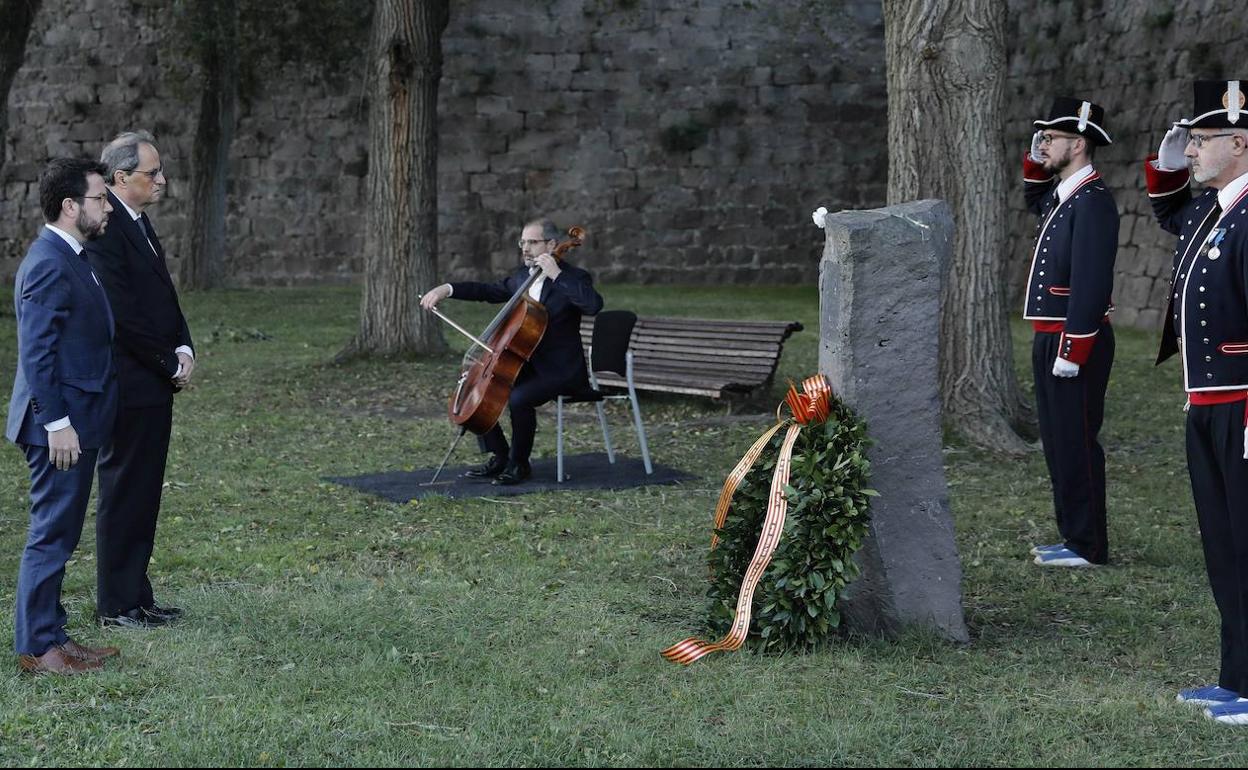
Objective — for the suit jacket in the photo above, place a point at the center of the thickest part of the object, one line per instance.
(150, 324)
(64, 347)
(559, 357)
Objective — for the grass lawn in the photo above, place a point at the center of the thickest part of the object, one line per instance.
(325, 626)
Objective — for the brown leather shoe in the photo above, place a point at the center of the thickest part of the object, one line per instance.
(90, 654)
(56, 662)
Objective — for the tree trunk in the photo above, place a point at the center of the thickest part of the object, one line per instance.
(18, 16)
(401, 244)
(946, 68)
(218, 109)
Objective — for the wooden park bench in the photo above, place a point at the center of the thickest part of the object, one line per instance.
(701, 356)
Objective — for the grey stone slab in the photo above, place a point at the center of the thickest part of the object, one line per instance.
(880, 288)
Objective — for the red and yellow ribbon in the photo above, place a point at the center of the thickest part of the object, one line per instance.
(812, 405)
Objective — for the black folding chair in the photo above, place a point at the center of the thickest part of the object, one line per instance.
(608, 352)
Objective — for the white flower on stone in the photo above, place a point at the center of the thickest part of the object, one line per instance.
(820, 215)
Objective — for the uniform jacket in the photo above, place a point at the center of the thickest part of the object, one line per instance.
(559, 357)
(64, 347)
(1208, 309)
(1072, 265)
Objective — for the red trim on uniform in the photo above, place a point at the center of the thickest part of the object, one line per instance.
(1076, 350)
(1060, 291)
(1215, 397)
(1163, 182)
(1234, 348)
(1048, 327)
(1033, 171)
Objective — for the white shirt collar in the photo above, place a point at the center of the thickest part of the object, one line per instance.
(71, 240)
(1227, 195)
(126, 206)
(1071, 182)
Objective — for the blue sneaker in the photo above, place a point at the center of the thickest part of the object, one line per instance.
(1209, 695)
(1062, 557)
(1233, 713)
(1036, 550)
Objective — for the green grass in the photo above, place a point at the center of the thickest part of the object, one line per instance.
(329, 627)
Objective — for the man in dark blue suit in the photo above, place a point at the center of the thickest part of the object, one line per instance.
(557, 365)
(63, 405)
(154, 360)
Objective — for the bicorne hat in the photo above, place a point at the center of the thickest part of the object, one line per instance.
(1078, 117)
(1219, 104)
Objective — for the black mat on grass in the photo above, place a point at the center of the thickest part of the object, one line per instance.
(588, 471)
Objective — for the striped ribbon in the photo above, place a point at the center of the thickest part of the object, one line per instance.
(810, 406)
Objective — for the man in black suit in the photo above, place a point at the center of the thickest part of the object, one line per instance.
(557, 365)
(154, 360)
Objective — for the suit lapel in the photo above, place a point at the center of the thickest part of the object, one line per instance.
(151, 253)
(79, 266)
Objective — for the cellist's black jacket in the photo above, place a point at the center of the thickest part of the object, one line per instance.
(559, 357)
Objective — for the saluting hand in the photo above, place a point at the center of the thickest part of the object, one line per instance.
(549, 265)
(1170, 156)
(1037, 141)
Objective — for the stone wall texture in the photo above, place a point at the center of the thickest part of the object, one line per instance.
(692, 138)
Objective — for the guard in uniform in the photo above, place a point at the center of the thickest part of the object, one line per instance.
(1068, 303)
(1207, 323)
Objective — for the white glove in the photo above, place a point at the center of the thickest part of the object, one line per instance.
(1170, 155)
(1037, 140)
(820, 215)
(1064, 368)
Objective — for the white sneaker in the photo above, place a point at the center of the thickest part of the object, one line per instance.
(1063, 557)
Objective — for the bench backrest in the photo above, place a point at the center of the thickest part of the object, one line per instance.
(710, 357)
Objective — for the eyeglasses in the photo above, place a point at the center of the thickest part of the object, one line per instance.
(1200, 139)
(1051, 138)
(102, 198)
(530, 242)
(150, 174)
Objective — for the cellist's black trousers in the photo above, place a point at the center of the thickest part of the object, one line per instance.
(1070, 412)
(529, 393)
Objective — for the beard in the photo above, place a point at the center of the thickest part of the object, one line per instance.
(1205, 171)
(88, 228)
(1056, 165)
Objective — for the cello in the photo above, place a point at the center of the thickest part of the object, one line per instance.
(493, 362)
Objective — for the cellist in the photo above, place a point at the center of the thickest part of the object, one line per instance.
(556, 367)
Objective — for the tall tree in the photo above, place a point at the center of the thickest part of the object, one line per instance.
(946, 70)
(216, 24)
(401, 245)
(18, 16)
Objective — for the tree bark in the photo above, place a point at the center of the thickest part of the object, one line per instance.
(401, 245)
(946, 68)
(19, 17)
(204, 267)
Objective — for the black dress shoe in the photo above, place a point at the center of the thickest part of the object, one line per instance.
(135, 618)
(515, 474)
(491, 468)
(172, 613)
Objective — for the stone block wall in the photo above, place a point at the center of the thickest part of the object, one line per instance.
(691, 139)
